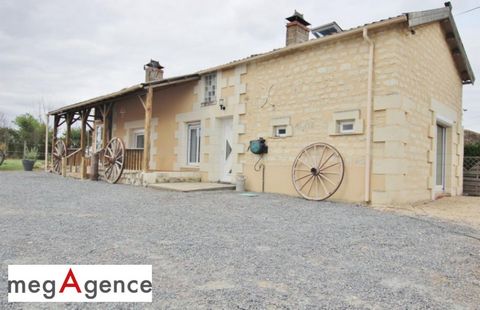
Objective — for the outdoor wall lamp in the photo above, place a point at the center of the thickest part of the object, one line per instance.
(222, 106)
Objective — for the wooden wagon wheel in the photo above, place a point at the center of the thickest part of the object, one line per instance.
(113, 160)
(317, 172)
(59, 151)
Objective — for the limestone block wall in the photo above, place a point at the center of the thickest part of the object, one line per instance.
(431, 81)
(308, 89)
(391, 170)
(415, 85)
(230, 87)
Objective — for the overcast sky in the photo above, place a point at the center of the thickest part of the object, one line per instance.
(54, 53)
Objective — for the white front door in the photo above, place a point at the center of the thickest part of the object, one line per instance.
(226, 154)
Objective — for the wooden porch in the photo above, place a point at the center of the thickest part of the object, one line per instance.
(96, 134)
(95, 139)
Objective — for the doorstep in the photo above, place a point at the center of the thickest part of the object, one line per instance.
(192, 186)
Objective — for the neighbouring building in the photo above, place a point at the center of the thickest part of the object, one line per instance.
(386, 95)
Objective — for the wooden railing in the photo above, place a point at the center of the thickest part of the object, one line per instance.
(74, 159)
(133, 159)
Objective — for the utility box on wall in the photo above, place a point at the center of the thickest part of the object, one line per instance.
(258, 146)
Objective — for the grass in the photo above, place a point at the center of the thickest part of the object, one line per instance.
(16, 164)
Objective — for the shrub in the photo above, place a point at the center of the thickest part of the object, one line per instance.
(31, 154)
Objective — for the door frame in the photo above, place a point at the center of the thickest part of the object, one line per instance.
(441, 187)
(197, 126)
(223, 162)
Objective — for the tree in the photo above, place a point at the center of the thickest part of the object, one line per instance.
(3, 129)
(30, 129)
(74, 137)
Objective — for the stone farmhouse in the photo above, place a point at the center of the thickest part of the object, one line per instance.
(382, 101)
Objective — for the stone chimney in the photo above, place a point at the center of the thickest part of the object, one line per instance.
(297, 29)
(153, 71)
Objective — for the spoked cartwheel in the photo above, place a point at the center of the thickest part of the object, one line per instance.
(59, 151)
(113, 160)
(317, 171)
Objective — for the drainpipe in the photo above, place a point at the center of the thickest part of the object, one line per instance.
(368, 143)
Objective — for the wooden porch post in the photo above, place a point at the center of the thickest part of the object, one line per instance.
(148, 119)
(68, 120)
(83, 132)
(105, 112)
(54, 135)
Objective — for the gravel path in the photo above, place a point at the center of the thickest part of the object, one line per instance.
(223, 250)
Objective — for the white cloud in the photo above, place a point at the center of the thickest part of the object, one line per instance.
(62, 52)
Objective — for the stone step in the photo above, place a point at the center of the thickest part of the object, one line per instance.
(192, 186)
(171, 177)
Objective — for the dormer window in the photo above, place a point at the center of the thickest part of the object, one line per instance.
(210, 93)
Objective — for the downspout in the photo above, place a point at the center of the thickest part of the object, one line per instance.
(368, 143)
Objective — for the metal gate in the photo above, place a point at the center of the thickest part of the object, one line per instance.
(471, 175)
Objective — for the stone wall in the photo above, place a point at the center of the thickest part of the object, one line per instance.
(310, 87)
(308, 90)
(430, 80)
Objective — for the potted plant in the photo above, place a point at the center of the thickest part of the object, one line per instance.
(29, 158)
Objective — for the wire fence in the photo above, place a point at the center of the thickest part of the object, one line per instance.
(19, 150)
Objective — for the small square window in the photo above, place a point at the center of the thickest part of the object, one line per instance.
(138, 139)
(280, 131)
(346, 126)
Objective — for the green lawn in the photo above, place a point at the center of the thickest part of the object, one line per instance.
(16, 164)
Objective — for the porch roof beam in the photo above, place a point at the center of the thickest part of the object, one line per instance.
(135, 90)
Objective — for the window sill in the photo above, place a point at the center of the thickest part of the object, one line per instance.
(189, 168)
(207, 103)
(191, 165)
(346, 133)
(274, 137)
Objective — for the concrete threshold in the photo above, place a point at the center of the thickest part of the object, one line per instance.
(192, 186)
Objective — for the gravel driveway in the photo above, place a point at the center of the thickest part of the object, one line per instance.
(224, 250)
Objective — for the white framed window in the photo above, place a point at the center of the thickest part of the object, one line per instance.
(440, 157)
(138, 139)
(280, 131)
(345, 123)
(193, 143)
(346, 126)
(210, 91)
